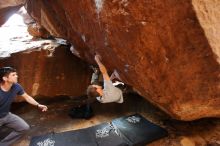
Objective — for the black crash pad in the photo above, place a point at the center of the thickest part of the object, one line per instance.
(80, 137)
(131, 130)
(137, 130)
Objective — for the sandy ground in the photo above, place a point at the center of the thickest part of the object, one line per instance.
(204, 132)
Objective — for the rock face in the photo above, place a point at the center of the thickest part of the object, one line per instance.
(9, 7)
(37, 31)
(209, 17)
(161, 48)
(60, 74)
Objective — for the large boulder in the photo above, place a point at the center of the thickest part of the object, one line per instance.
(161, 48)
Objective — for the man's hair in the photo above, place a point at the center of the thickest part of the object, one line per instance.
(5, 71)
(99, 83)
(91, 92)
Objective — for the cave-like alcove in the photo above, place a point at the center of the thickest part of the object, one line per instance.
(163, 56)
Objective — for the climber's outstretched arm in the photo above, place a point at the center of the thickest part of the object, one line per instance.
(102, 68)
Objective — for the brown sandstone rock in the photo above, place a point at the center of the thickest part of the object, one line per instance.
(209, 17)
(60, 74)
(159, 47)
(9, 7)
(38, 31)
(185, 141)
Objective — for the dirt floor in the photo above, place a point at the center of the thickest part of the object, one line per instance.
(204, 132)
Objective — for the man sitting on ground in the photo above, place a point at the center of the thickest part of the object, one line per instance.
(109, 93)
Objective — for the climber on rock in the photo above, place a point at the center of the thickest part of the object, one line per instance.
(108, 92)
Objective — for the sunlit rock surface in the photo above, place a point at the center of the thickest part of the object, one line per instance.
(209, 17)
(27, 19)
(45, 72)
(9, 7)
(10, 3)
(15, 38)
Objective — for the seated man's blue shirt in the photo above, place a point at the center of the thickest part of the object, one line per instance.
(6, 98)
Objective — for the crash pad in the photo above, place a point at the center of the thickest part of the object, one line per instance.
(132, 130)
